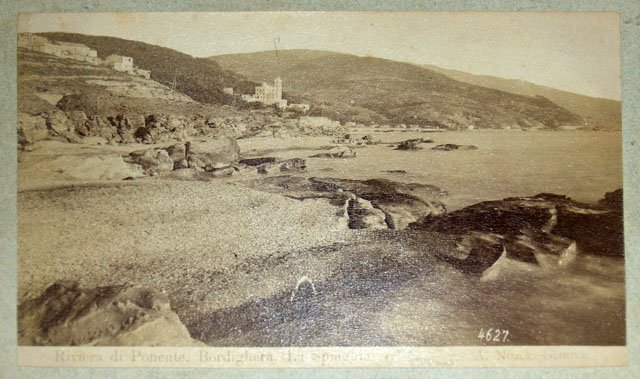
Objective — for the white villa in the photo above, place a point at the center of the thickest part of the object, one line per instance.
(268, 95)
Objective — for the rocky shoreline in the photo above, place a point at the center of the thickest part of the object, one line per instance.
(545, 233)
(237, 246)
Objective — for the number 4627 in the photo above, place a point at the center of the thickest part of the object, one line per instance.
(494, 335)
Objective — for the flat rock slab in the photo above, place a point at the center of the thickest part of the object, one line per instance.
(86, 167)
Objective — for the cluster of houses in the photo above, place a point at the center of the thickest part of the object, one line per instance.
(79, 52)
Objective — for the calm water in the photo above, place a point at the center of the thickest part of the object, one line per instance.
(582, 165)
(581, 304)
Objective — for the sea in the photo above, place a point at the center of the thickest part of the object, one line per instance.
(582, 165)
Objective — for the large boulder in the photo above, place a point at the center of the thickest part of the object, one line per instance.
(152, 161)
(152, 131)
(212, 154)
(215, 156)
(79, 120)
(119, 315)
(178, 154)
(31, 129)
(90, 103)
(476, 252)
(60, 126)
(157, 128)
(125, 129)
(503, 217)
(101, 127)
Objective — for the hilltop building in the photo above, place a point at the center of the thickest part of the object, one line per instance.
(228, 90)
(125, 64)
(70, 50)
(268, 94)
(79, 52)
(119, 63)
(47, 48)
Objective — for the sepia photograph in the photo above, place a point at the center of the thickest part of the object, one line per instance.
(229, 183)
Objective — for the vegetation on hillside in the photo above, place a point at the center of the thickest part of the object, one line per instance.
(367, 89)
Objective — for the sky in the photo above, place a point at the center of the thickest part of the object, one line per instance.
(577, 52)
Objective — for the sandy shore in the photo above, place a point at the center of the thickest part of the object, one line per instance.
(157, 233)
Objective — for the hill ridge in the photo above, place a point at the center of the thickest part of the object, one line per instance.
(601, 112)
(379, 90)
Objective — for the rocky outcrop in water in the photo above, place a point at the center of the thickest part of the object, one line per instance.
(412, 144)
(545, 229)
(257, 161)
(367, 200)
(453, 146)
(336, 152)
(402, 203)
(67, 315)
(598, 229)
(287, 165)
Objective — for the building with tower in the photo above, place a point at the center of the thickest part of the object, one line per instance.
(268, 94)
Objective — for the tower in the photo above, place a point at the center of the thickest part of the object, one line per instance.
(277, 89)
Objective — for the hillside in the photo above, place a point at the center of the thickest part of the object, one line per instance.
(199, 78)
(43, 80)
(598, 112)
(367, 89)
(68, 100)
